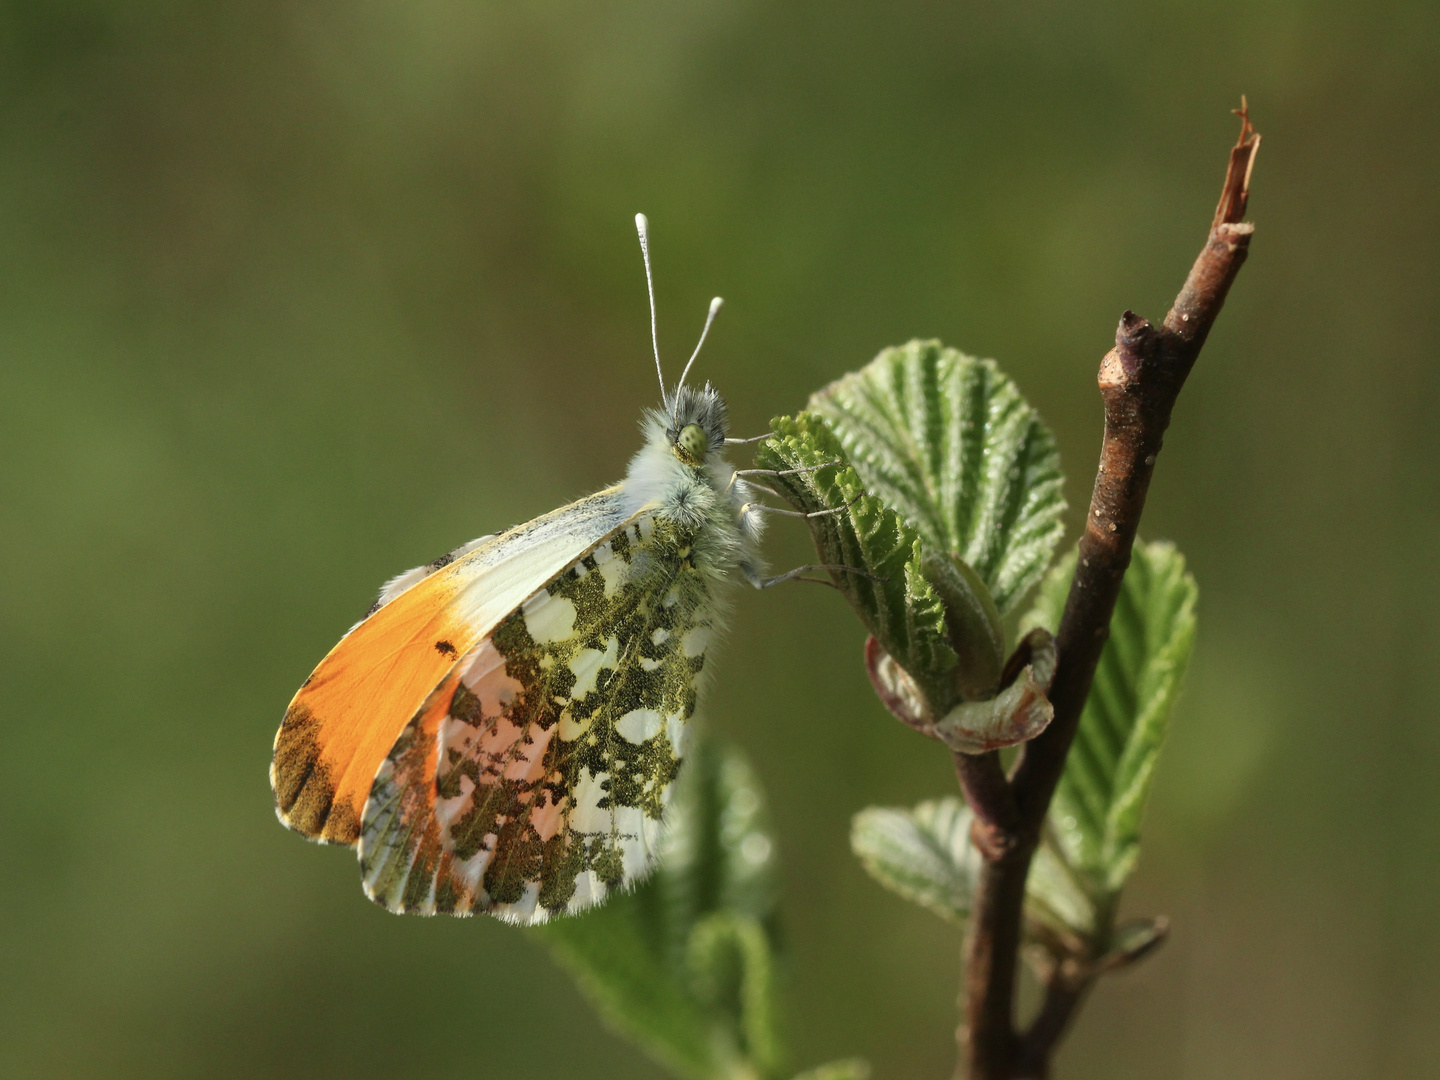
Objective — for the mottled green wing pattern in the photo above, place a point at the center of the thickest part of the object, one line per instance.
(533, 780)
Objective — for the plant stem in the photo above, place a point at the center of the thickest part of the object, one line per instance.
(1064, 992)
(1140, 380)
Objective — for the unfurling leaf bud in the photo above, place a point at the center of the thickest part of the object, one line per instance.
(1018, 713)
(972, 623)
(1015, 715)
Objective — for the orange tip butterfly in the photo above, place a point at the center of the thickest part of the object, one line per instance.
(501, 732)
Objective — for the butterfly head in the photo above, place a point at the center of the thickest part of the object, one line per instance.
(681, 468)
(694, 423)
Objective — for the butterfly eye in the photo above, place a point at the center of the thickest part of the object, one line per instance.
(692, 443)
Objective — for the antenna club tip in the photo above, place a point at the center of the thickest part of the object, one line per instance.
(716, 304)
(642, 224)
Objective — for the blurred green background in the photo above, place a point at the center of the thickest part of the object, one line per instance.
(294, 295)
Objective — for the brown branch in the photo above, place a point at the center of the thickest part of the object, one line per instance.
(997, 819)
(1064, 991)
(1139, 381)
(1069, 972)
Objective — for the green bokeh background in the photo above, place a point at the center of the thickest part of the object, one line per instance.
(294, 295)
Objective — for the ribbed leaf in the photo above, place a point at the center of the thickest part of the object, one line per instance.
(923, 854)
(895, 602)
(1092, 838)
(1096, 813)
(947, 441)
(684, 963)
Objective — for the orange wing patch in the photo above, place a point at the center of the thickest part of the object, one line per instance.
(344, 720)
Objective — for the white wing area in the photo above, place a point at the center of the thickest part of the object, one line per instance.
(503, 572)
(400, 582)
(524, 787)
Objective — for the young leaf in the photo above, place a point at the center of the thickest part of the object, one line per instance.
(948, 441)
(733, 971)
(849, 1069)
(1061, 907)
(684, 963)
(926, 856)
(894, 600)
(620, 962)
(923, 854)
(1016, 714)
(1096, 812)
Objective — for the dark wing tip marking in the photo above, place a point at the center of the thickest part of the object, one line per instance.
(304, 790)
(445, 648)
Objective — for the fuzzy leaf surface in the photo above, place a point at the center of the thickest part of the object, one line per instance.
(948, 441)
(895, 602)
(924, 853)
(684, 964)
(1095, 817)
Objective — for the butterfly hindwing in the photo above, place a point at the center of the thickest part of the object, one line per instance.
(533, 779)
(344, 721)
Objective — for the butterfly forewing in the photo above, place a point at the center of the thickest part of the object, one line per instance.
(344, 721)
(533, 779)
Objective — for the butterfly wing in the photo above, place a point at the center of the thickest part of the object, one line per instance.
(344, 720)
(533, 779)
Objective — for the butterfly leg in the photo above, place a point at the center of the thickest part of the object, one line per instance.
(794, 575)
(777, 472)
(786, 472)
(799, 513)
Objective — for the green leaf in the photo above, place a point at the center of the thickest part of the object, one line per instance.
(895, 602)
(948, 441)
(972, 622)
(923, 854)
(1133, 941)
(849, 1069)
(614, 955)
(684, 964)
(1092, 837)
(719, 853)
(1061, 907)
(733, 971)
(1014, 715)
(1095, 817)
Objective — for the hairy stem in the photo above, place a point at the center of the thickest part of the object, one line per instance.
(1140, 380)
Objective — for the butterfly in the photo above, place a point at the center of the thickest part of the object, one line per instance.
(501, 732)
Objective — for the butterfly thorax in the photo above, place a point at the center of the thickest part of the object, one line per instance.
(699, 493)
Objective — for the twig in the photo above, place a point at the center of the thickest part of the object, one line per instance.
(1065, 989)
(997, 818)
(1139, 381)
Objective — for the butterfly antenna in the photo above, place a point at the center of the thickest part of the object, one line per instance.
(710, 318)
(642, 226)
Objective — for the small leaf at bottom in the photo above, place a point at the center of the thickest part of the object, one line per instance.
(923, 854)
